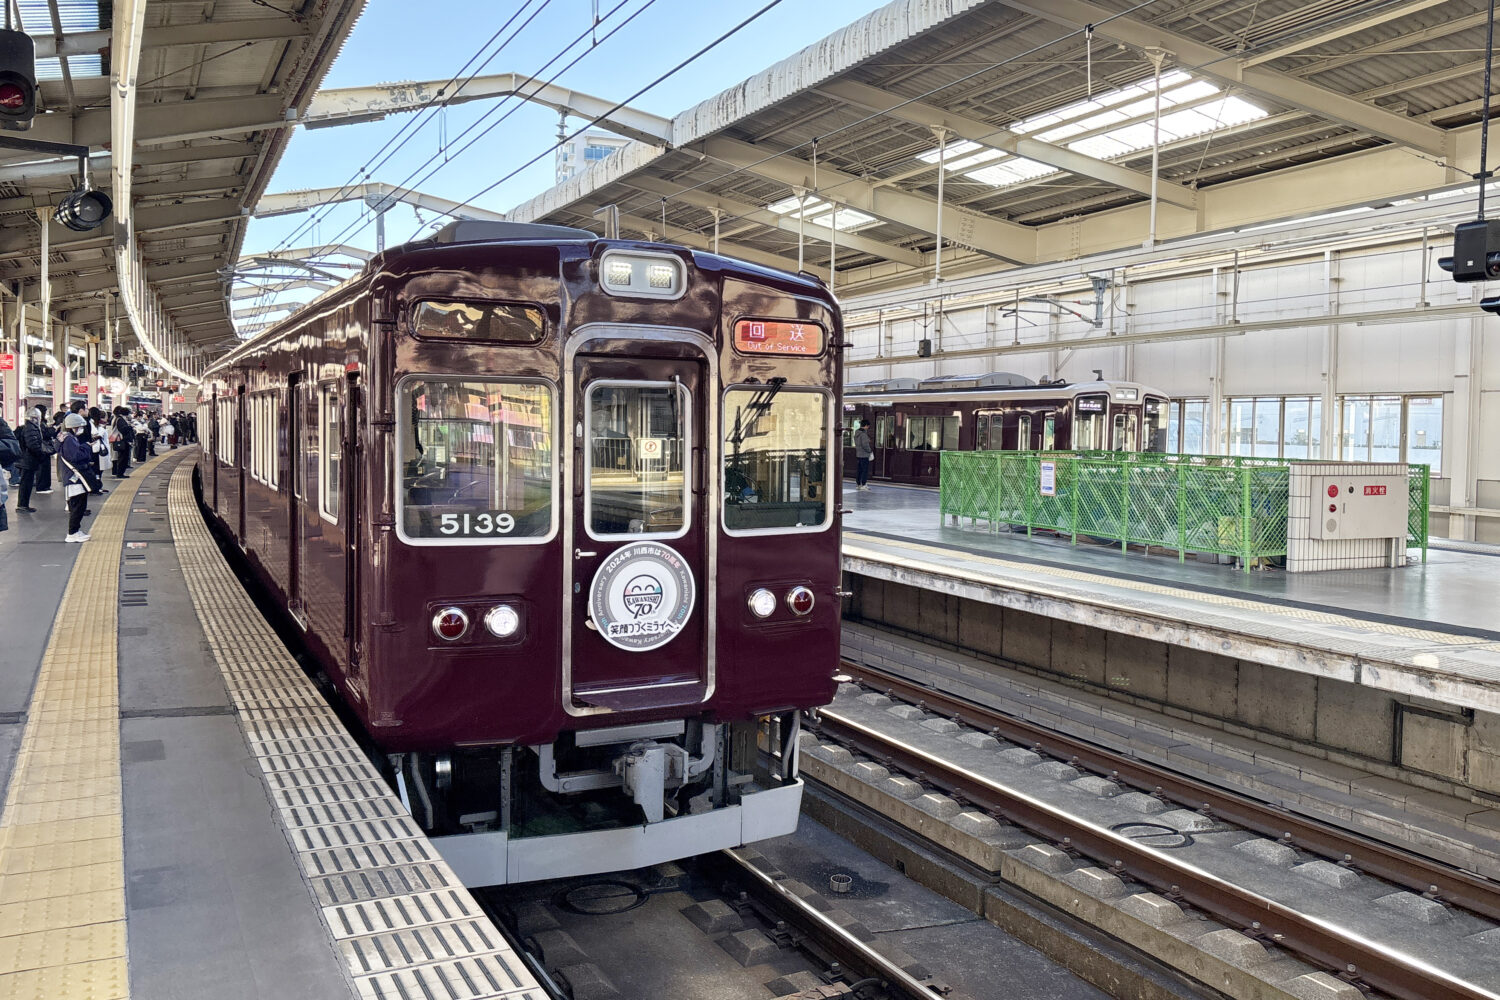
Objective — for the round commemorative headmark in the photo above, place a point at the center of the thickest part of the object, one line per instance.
(642, 596)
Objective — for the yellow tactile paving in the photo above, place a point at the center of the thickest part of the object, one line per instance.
(946, 557)
(62, 852)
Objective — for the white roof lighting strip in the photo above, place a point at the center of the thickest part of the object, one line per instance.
(1088, 123)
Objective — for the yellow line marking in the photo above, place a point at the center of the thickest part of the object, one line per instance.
(946, 557)
(62, 848)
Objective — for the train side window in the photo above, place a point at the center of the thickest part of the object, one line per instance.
(1023, 432)
(330, 450)
(638, 448)
(885, 431)
(494, 322)
(950, 432)
(1049, 432)
(776, 458)
(476, 461)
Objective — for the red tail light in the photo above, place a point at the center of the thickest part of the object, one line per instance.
(800, 600)
(450, 624)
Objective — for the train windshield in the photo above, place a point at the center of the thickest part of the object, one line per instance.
(776, 458)
(638, 448)
(476, 461)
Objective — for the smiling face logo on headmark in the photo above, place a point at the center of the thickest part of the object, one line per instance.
(642, 596)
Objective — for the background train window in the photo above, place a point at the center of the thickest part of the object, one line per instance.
(1088, 423)
(499, 322)
(476, 460)
(331, 449)
(637, 448)
(776, 461)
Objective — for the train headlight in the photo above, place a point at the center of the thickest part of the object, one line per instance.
(643, 274)
(762, 603)
(800, 600)
(502, 621)
(450, 624)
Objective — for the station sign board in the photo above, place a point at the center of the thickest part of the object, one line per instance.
(7, 362)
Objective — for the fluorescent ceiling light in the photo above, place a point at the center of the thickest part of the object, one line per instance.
(1109, 126)
(821, 213)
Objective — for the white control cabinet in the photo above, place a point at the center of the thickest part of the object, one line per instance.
(1354, 506)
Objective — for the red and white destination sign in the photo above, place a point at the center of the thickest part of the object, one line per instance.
(7, 362)
(1374, 491)
(765, 336)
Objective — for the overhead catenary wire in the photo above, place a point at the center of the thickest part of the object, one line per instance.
(419, 120)
(516, 101)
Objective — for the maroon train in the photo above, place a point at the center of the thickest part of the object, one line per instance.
(558, 517)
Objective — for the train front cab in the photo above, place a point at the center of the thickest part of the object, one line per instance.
(627, 493)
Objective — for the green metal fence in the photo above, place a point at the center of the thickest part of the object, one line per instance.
(1187, 503)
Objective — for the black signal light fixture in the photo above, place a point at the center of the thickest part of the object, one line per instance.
(1476, 245)
(17, 79)
(84, 209)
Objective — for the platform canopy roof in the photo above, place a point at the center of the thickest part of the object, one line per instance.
(1044, 112)
(214, 85)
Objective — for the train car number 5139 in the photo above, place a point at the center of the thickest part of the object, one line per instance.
(490, 522)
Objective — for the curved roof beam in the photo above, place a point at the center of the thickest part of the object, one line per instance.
(376, 194)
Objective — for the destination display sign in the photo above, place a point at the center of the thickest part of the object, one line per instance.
(765, 336)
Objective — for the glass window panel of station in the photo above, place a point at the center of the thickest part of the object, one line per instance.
(476, 460)
(775, 459)
(1302, 427)
(1241, 426)
(1267, 428)
(1424, 431)
(638, 448)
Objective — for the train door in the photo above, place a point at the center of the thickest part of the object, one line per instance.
(353, 461)
(638, 532)
(885, 441)
(1023, 432)
(297, 478)
(1049, 432)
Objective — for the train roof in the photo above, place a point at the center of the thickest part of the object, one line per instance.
(910, 390)
(472, 232)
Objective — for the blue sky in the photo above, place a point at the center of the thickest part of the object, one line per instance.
(396, 41)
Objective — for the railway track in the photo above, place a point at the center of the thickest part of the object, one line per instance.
(1136, 853)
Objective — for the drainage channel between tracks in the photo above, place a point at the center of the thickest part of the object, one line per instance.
(1198, 856)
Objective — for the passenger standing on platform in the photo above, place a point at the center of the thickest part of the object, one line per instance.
(98, 446)
(142, 438)
(74, 454)
(10, 453)
(169, 431)
(153, 428)
(863, 452)
(121, 437)
(34, 456)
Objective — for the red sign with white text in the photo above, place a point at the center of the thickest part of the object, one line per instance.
(7, 362)
(765, 336)
(1374, 491)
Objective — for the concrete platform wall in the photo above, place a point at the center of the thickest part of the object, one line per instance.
(1456, 752)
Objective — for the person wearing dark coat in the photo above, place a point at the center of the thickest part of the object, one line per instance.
(33, 458)
(123, 436)
(10, 453)
(153, 425)
(73, 455)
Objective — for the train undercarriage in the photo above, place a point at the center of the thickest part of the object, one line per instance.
(607, 799)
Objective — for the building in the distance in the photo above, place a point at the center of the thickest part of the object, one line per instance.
(584, 149)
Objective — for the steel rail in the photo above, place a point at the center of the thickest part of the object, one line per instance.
(1433, 879)
(826, 938)
(1399, 975)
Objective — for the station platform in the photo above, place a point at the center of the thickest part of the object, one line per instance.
(1426, 630)
(183, 814)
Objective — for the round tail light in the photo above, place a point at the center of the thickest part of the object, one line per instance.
(502, 621)
(450, 624)
(12, 96)
(762, 603)
(800, 600)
